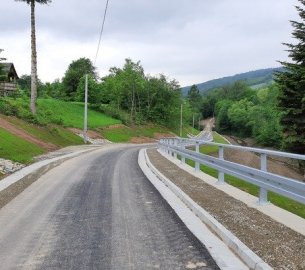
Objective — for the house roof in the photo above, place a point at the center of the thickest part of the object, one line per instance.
(9, 68)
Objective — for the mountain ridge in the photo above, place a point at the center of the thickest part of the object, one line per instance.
(255, 79)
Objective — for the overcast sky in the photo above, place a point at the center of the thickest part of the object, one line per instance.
(190, 40)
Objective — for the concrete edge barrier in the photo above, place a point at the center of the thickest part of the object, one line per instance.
(252, 260)
(24, 172)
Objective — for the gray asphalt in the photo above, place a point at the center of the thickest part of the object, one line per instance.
(97, 211)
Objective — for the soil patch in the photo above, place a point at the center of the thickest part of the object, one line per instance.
(159, 136)
(276, 244)
(115, 126)
(26, 136)
(282, 166)
(142, 140)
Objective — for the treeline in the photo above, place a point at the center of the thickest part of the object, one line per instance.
(242, 111)
(127, 93)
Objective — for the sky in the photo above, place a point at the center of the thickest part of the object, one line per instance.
(191, 41)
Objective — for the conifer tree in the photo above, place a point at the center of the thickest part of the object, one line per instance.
(292, 88)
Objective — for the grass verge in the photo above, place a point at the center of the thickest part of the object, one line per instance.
(125, 134)
(17, 149)
(54, 134)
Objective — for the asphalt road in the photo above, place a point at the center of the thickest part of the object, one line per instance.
(96, 211)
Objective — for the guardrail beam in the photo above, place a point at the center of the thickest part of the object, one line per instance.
(265, 180)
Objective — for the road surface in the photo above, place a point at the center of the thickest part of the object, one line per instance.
(96, 211)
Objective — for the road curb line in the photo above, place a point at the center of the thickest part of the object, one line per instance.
(24, 172)
(252, 260)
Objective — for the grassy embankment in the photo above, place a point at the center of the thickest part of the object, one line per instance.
(49, 125)
(283, 202)
(17, 149)
(51, 122)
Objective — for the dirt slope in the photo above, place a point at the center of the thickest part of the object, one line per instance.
(279, 166)
(26, 136)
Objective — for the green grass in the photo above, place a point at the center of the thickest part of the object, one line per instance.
(209, 149)
(124, 134)
(185, 131)
(72, 114)
(17, 149)
(53, 111)
(281, 201)
(54, 134)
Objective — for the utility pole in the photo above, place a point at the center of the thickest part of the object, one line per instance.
(181, 120)
(86, 110)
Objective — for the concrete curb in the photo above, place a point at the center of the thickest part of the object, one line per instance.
(19, 175)
(247, 256)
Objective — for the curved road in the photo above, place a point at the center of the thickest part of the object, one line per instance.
(96, 211)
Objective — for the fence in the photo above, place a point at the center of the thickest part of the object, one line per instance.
(7, 89)
(265, 180)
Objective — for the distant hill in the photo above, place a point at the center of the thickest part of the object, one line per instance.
(255, 79)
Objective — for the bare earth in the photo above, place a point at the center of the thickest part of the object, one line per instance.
(26, 136)
(279, 246)
(281, 166)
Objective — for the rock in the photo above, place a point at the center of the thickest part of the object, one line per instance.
(8, 166)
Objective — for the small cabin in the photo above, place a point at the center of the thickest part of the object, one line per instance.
(8, 84)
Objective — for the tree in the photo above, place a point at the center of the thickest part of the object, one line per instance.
(24, 83)
(195, 99)
(34, 51)
(292, 88)
(76, 70)
(94, 90)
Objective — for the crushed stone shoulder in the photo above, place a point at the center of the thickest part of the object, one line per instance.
(276, 244)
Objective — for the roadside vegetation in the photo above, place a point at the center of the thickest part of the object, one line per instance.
(125, 133)
(54, 134)
(52, 111)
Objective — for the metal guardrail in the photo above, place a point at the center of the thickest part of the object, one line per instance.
(265, 180)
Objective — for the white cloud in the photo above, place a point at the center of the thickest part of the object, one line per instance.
(190, 40)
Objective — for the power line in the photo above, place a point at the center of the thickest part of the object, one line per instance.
(101, 33)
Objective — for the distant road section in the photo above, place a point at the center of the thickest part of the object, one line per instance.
(96, 211)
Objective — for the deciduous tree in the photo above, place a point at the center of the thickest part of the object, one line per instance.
(76, 70)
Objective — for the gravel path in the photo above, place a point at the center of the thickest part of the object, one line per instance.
(279, 246)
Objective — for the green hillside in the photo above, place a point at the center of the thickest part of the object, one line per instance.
(53, 111)
(254, 79)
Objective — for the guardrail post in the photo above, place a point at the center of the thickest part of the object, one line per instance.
(168, 145)
(263, 193)
(221, 175)
(183, 157)
(197, 165)
(175, 143)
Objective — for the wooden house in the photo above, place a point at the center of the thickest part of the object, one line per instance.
(8, 84)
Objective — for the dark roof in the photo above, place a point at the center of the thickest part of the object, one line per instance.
(9, 67)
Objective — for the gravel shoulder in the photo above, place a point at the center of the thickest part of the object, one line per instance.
(277, 245)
